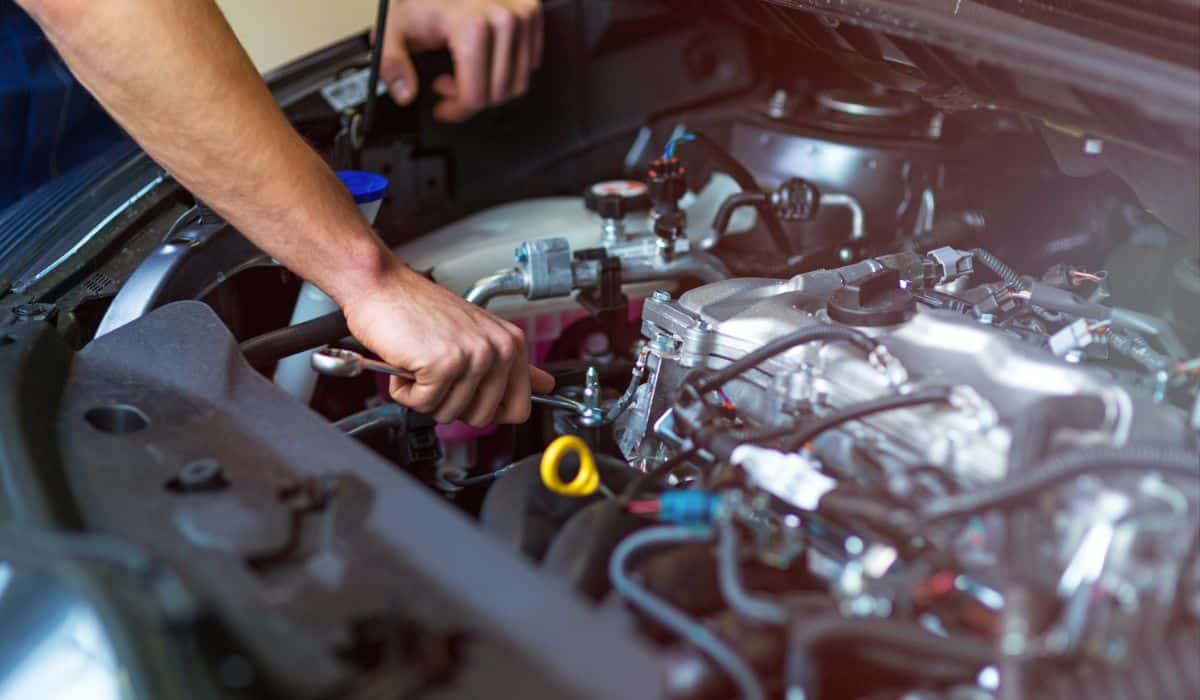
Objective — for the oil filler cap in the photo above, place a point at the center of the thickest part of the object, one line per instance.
(874, 300)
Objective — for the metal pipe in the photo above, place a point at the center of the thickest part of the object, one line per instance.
(502, 283)
(703, 266)
(858, 227)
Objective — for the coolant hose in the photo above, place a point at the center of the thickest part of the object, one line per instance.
(725, 162)
(262, 350)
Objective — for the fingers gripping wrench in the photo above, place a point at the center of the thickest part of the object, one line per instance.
(336, 362)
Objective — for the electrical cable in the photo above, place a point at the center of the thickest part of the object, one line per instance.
(808, 636)
(996, 265)
(482, 478)
(724, 445)
(1061, 468)
(780, 345)
(729, 579)
(692, 631)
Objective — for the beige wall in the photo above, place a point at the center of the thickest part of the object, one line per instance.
(277, 31)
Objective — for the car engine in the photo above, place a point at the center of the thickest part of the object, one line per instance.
(865, 390)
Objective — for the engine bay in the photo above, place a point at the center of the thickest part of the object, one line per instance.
(857, 397)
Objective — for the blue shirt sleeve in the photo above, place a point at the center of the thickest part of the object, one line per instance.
(48, 122)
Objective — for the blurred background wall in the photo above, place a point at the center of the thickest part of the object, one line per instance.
(277, 31)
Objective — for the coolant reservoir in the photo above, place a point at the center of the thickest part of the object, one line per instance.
(294, 374)
(459, 254)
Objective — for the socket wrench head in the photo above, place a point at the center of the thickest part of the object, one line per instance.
(336, 362)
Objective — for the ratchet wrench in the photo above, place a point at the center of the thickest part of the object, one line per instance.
(336, 362)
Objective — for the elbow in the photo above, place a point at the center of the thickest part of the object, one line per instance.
(55, 16)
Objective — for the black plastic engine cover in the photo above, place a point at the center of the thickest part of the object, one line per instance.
(307, 534)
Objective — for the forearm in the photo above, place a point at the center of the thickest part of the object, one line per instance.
(173, 74)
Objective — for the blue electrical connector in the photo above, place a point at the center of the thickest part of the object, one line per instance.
(689, 507)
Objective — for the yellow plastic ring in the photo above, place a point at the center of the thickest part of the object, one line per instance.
(586, 481)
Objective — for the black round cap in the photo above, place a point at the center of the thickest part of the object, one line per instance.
(614, 199)
(874, 300)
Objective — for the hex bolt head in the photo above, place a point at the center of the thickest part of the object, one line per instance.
(661, 295)
(199, 475)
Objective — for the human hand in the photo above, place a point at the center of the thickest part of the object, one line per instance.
(495, 44)
(469, 365)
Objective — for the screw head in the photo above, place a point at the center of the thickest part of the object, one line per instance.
(845, 255)
(199, 475)
(661, 295)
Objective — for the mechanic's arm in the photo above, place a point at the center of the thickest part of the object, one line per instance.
(175, 77)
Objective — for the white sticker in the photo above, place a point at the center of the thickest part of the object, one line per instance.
(350, 91)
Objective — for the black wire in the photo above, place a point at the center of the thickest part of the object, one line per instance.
(996, 265)
(799, 435)
(1061, 468)
(662, 471)
(780, 345)
(482, 478)
(921, 397)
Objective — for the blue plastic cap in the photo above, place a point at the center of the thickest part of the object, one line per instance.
(364, 187)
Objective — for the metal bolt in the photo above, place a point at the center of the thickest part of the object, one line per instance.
(521, 255)
(845, 255)
(199, 475)
(592, 415)
(937, 124)
(661, 295)
(780, 105)
(1093, 146)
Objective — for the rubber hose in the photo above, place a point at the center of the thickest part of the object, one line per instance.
(809, 636)
(723, 444)
(692, 631)
(725, 162)
(1060, 468)
(729, 578)
(263, 350)
(781, 345)
(731, 204)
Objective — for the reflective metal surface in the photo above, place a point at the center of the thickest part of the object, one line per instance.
(52, 642)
